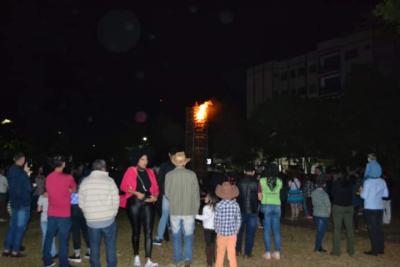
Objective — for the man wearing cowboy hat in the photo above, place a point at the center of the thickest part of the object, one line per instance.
(183, 194)
(227, 223)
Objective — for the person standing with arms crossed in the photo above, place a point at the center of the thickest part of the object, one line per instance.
(20, 189)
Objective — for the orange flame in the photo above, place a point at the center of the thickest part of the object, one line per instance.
(201, 112)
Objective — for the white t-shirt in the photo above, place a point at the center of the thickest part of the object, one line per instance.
(293, 183)
(207, 217)
(44, 203)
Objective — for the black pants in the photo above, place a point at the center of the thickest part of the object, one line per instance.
(78, 225)
(141, 213)
(283, 210)
(34, 201)
(374, 219)
(3, 205)
(209, 238)
(309, 206)
(356, 218)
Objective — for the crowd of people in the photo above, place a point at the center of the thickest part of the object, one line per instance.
(83, 204)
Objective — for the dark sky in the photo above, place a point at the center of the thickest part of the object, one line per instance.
(74, 62)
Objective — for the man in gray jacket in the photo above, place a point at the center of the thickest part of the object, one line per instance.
(182, 191)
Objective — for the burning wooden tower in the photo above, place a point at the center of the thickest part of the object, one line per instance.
(196, 137)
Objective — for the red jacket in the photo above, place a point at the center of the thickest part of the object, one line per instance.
(130, 182)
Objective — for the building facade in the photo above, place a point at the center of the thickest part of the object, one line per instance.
(322, 72)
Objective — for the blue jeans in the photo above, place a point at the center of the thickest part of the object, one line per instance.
(272, 217)
(16, 229)
(249, 224)
(43, 226)
(61, 227)
(162, 225)
(182, 225)
(110, 239)
(322, 224)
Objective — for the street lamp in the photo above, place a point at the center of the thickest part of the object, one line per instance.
(6, 121)
(144, 138)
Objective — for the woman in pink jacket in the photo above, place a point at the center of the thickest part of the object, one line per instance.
(141, 191)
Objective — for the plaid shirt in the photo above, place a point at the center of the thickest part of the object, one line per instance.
(74, 198)
(308, 188)
(227, 218)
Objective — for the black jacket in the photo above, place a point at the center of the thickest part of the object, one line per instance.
(214, 179)
(342, 193)
(248, 195)
(20, 187)
(165, 168)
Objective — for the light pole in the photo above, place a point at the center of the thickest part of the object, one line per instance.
(6, 121)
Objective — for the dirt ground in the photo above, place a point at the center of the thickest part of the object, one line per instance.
(297, 246)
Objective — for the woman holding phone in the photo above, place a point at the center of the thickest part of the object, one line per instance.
(141, 191)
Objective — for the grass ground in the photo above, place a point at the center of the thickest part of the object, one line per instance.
(297, 245)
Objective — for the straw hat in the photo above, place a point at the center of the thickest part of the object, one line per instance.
(227, 191)
(179, 159)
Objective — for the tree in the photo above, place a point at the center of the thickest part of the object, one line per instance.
(228, 134)
(368, 113)
(291, 127)
(389, 11)
(364, 120)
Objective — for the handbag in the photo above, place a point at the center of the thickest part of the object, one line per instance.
(295, 195)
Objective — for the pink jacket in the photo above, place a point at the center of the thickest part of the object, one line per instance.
(130, 182)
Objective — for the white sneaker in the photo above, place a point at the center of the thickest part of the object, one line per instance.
(276, 256)
(136, 262)
(52, 264)
(149, 263)
(267, 255)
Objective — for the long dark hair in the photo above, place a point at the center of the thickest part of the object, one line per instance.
(271, 173)
(213, 200)
(271, 182)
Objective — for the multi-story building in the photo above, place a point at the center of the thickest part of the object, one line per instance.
(322, 72)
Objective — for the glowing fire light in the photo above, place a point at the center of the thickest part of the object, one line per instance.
(201, 112)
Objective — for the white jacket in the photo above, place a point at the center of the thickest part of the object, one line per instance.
(98, 197)
(3, 184)
(207, 217)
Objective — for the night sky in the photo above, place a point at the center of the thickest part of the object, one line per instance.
(87, 67)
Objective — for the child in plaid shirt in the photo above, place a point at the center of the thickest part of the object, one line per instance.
(227, 223)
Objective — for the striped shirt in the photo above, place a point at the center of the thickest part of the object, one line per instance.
(227, 218)
(99, 199)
